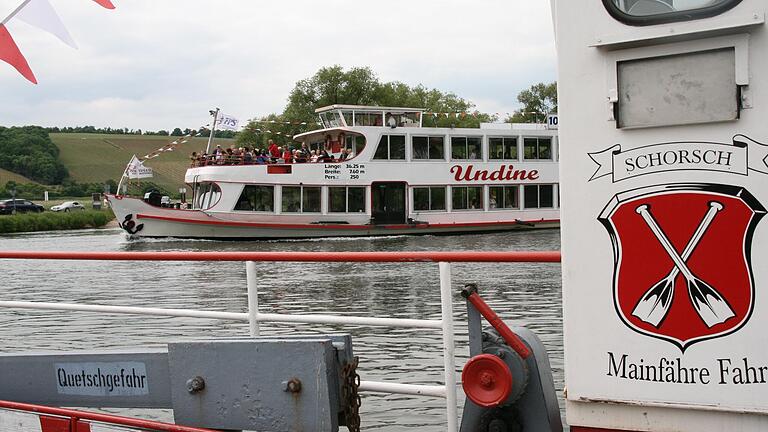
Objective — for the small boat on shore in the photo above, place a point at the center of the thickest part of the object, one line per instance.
(375, 171)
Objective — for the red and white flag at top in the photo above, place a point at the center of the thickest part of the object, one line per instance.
(106, 3)
(41, 14)
(9, 53)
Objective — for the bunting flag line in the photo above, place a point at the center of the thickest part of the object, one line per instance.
(40, 13)
(286, 122)
(172, 146)
(10, 53)
(105, 3)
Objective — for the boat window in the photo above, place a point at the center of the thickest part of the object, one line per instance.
(402, 119)
(331, 119)
(208, 195)
(301, 199)
(428, 147)
(648, 12)
(503, 197)
(368, 119)
(391, 147)
(467, 197)
(502, 148)
(537, 148)
(466, 148)
(346, 199)
(347, 118)
(429, 198)
(353, 145)
(256, 198)
(539, 196)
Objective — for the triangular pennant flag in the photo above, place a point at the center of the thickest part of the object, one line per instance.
(106, 3)
(41, 14)
(9, 53)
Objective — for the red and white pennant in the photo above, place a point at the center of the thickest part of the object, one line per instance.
(40, 14)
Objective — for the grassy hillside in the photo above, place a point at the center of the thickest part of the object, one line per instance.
(6, 176)
(96, 157)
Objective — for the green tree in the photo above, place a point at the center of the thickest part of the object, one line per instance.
(538, 101)
(360, 86)
(30, 152)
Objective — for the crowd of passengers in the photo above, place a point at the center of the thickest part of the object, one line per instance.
(271, 155)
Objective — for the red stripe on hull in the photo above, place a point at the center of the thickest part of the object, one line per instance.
(342, 226)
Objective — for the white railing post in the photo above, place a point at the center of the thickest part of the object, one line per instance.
(253, 298)
(449, 362)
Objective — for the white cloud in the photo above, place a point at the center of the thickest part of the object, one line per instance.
(154, 64)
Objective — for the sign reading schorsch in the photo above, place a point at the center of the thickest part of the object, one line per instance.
(102, 379)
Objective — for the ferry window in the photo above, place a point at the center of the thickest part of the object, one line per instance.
(256, 198)
(402, 119)
(346, 199)
(300, 199)
(539, 196)
(537, 148)
(331, 119)
(208, 195)
(502, 148)
(504, 197)
(347, 117)
(467, 197)
(466, 148)
(391, 147)
(431, 147)
(429, 198)
(648, 12)
(368, 119)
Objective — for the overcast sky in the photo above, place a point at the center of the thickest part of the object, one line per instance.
(160, 64)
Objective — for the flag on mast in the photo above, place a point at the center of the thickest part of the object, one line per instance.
(41, 14)
(227, 122)
(10, 53)
(136, 169)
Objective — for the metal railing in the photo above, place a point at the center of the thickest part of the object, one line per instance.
(31, 417)
(254, 317)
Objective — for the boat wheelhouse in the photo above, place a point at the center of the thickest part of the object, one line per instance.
(378, 172)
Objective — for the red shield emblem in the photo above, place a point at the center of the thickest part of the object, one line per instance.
(682, 264)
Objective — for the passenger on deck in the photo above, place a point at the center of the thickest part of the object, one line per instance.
(262, 158)
(287, 155)
(218, 155)
(248, 156)
(193, 158)
(313, 156)
(274, 151)
(325, 157)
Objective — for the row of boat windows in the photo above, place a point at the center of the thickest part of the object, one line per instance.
(392, 147)
(352, 199)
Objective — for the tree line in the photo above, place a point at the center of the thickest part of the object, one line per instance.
(203, 132)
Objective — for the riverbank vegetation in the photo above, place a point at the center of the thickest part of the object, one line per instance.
(50, 221)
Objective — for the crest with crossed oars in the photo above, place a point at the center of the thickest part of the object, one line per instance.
(654, 305)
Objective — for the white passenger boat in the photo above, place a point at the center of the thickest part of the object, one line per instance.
(388, 176)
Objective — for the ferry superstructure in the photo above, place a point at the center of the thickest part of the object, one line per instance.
(396, 177)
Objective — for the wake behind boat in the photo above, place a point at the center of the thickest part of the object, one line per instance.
(369, 171)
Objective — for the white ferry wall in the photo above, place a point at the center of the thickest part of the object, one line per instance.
(232, 179)
(590, 49)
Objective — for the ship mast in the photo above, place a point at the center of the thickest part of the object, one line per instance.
(215, 115)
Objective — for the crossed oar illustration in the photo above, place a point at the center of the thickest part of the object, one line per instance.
(708, 302)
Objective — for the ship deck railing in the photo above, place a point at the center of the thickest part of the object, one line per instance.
(254, 317)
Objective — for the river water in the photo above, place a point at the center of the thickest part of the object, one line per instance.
(526, 294)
